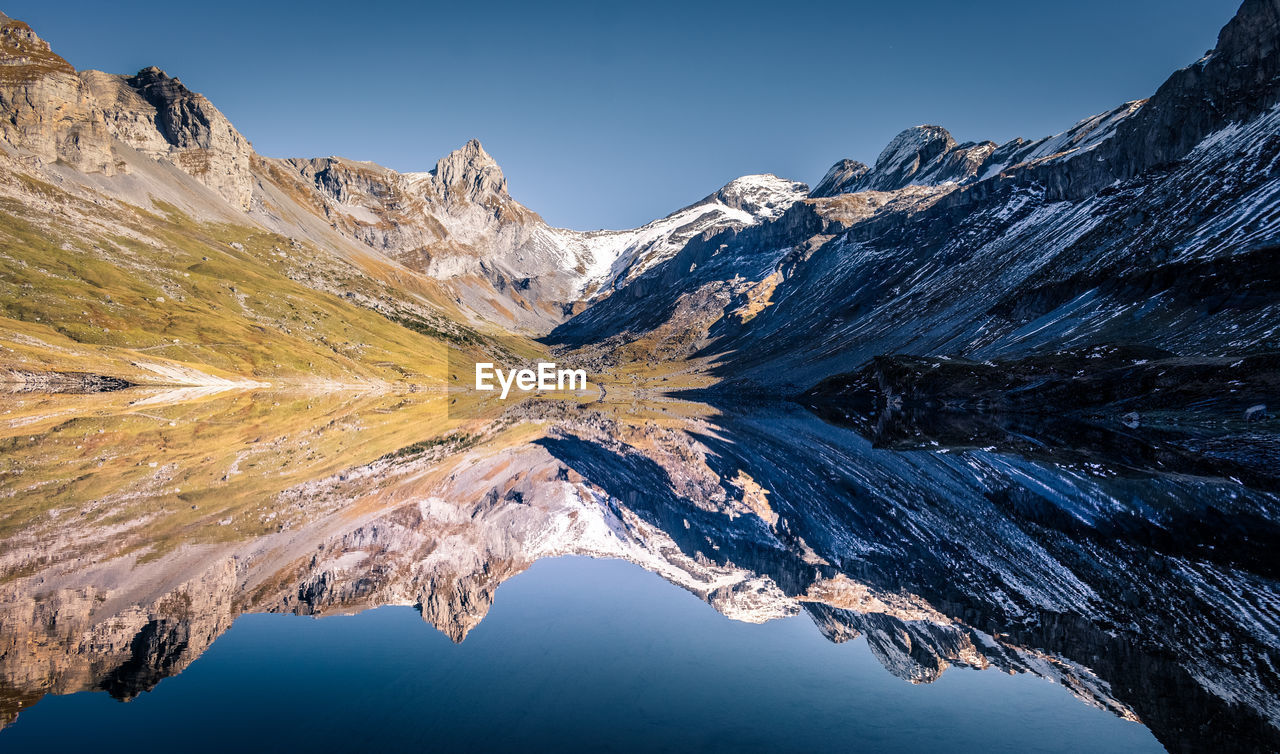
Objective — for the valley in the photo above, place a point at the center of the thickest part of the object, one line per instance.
(1003, 407)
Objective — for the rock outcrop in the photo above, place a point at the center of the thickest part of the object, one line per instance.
(470, 174)
(840, 178)
(196, 136)
(54, 114)
(924, 155)
(49, 113)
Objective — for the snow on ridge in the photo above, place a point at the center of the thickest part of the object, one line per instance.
(909, 144)
(1084, 135)
(764, 195)
(612, 256)
(596, 260)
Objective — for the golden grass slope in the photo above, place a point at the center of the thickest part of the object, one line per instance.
(89, 284)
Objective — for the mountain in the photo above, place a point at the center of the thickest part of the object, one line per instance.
(1112, 232)
(741, 203)
(375, 274)
(458, 224)
(135, 242)
(1152, 224)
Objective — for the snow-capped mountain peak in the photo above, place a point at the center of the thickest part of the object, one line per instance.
(764, 196)
(618, 256)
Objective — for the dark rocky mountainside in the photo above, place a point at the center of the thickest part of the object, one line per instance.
(1153, 224)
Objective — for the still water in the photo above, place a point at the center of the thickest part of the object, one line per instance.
(596, 654)
(352, 572)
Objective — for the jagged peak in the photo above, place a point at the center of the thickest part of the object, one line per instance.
(152, 78)
(185, 118)
(151, 74)
(763, 194)
(841, 175)
(469, 156)
(920, 155)
(470, 171)
(919, 143)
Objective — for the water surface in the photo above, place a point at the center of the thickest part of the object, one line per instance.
(598, 653)
(359, 571)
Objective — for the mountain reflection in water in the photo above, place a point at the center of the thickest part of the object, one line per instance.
(137, 527)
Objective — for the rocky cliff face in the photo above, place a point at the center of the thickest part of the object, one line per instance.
(85, 637)
(456, 224)
(840, 178)
(83, 119)
(1236, 82)
(470, 175)
(185, 128)
(49, 112)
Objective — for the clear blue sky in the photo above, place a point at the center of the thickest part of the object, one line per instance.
(609, 115)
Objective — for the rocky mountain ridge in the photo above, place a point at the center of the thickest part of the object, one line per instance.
(455, 224)
(499, 261)
(1112, 232)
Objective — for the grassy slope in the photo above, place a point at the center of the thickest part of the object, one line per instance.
(104, 288)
